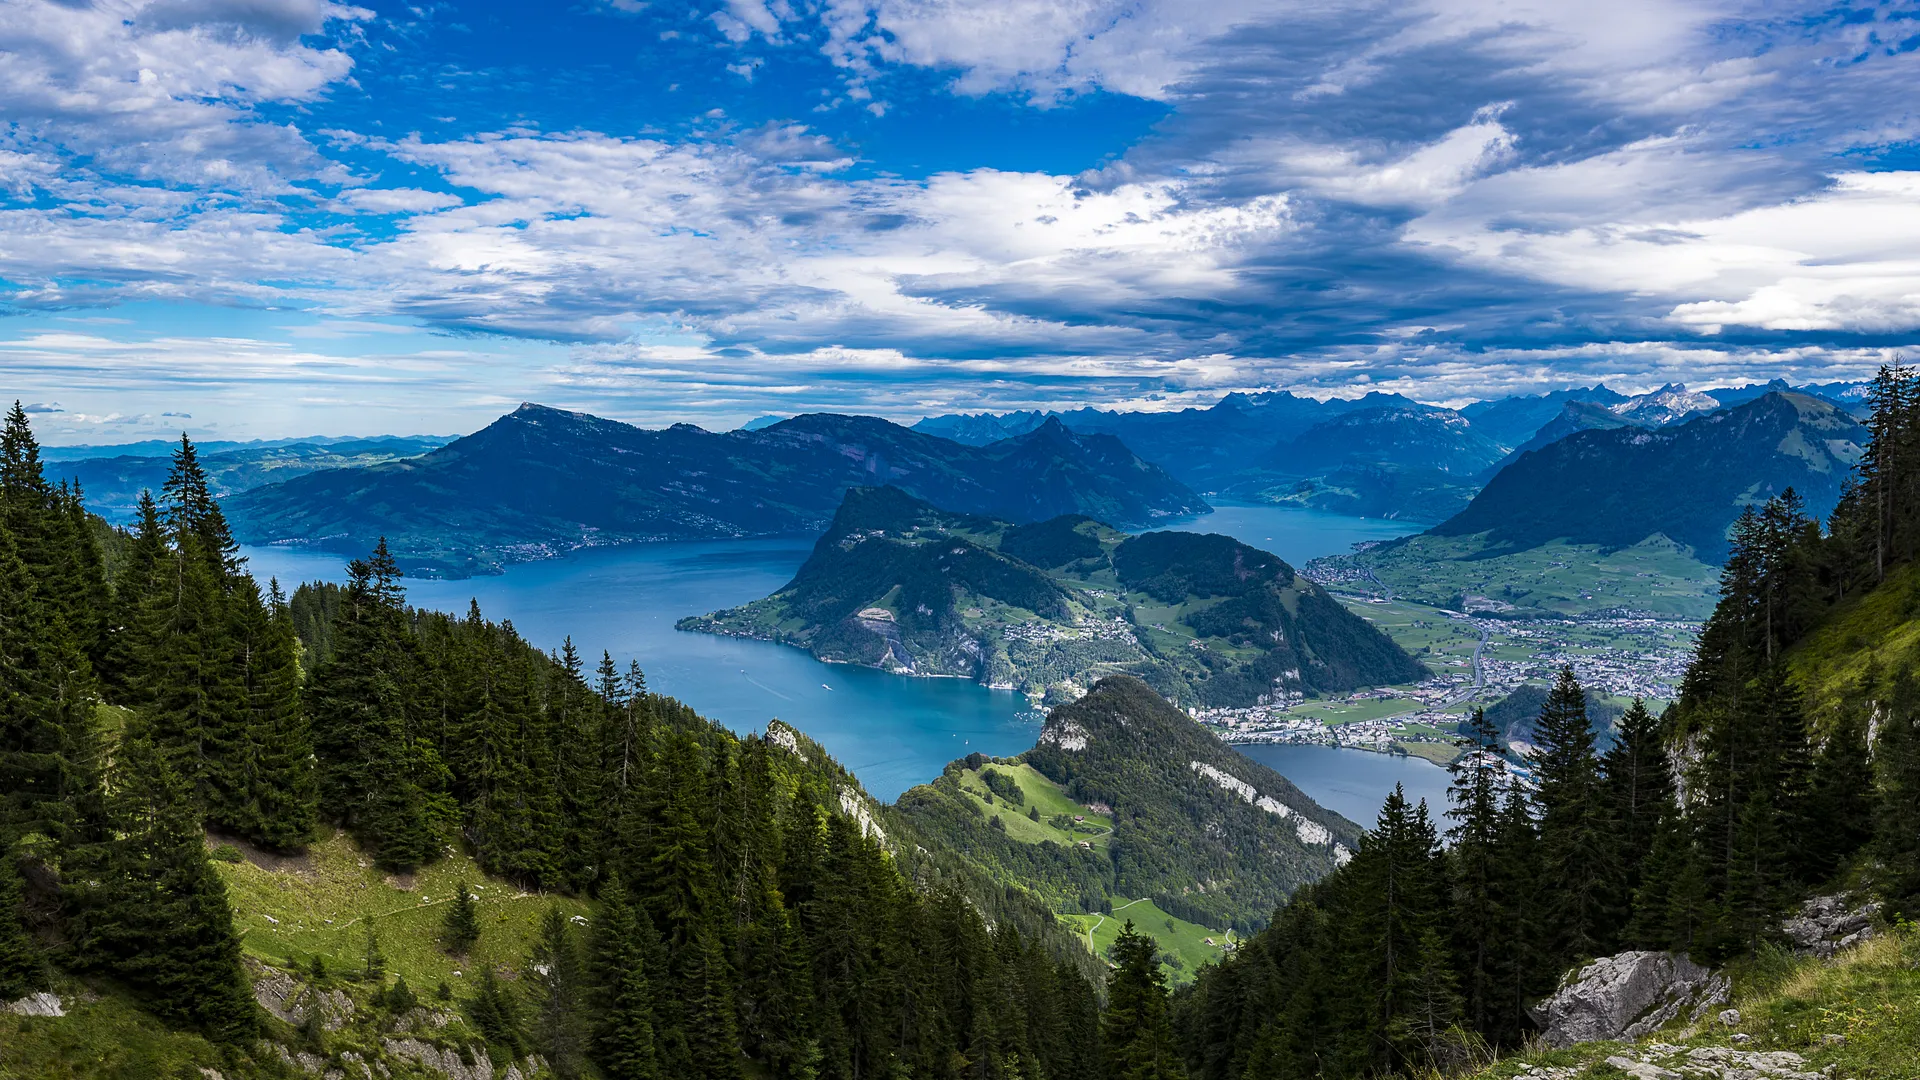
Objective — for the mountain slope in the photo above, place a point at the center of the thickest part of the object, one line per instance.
(113, 484)
(1512, 420)
(1574, 416)
(1170, 814)
(539, 482)
(1421, 437)
(1050, 607)
(1687, 481)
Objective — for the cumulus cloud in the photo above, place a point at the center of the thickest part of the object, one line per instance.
(1453, 196)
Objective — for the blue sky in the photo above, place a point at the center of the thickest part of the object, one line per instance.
(268, 217)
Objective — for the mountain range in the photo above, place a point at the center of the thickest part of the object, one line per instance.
(1688, 481)
(113, 483)
(540, 482)
(1051, 607)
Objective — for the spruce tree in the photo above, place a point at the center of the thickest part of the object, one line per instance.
(1840, 795)
(557, 979)
(496, 1015)
(1637, 777)
(461, 928)
(1478, 920)
(22, 964)
(283, 793)
(1578, 858)
(378, 776)
(1896, 841)
(622, 967)
(1137, 1030)
(157, 914)
(1390, 903)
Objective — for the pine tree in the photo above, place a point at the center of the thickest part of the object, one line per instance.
(377, 774)
(22, 964)
(157, 915)
(1637, 776)
(1390, 902)
(1896, 841)
(1478, 920)
(557, 980)
(283, 793)
(1839, 803)
(622, 967)
(1137, 1030)
(496, 1016)
(460, 931)
(1577, 854)
(1521, 970)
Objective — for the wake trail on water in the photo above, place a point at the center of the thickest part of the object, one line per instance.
(767, 688)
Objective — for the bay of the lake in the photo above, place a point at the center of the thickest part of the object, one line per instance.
(892, 731)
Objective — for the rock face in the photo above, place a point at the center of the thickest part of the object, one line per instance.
(41, 1004)
(1625, 996)
(1829, 924)
(452, 1065)
(1663, 1062)
(283, 996)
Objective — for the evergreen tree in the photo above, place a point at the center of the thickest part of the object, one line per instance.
(22, 965)
(1637, 776)
(495, 1014)
(1137, 1030)
(377, 774)
(157, 914)
(1577, 853)
(461, 928)
(1478, 921)
(622, 966)
(283, 794)
(1390, 904)
(1896, 841)
(557, 980)
(1838, 818)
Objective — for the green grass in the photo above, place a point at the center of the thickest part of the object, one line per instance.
(1044, 795)
(1337, 711)
(1869, 997)
(1183, 947)
(324, 902)
(1880, 629)
(1653, 576)
(104, 1036)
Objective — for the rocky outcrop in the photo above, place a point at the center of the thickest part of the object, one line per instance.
(289, 1000)
(1625, 996)
(1664, 1062)
(1827, 925)
(41, 1004)
(455, 1066)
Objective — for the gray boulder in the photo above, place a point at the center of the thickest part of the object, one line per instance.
(1625, 996)
(1827, 925)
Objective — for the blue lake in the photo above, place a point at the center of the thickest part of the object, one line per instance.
(893, 732)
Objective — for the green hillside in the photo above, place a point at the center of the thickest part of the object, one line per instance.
(1126, 801)
(1876, 633)
(1051, 607)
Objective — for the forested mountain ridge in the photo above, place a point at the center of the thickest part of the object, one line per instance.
(746, 917)
(1052, 606)
(1124, 798)
(1689, 481)
(540, 482)
(1789, 766)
